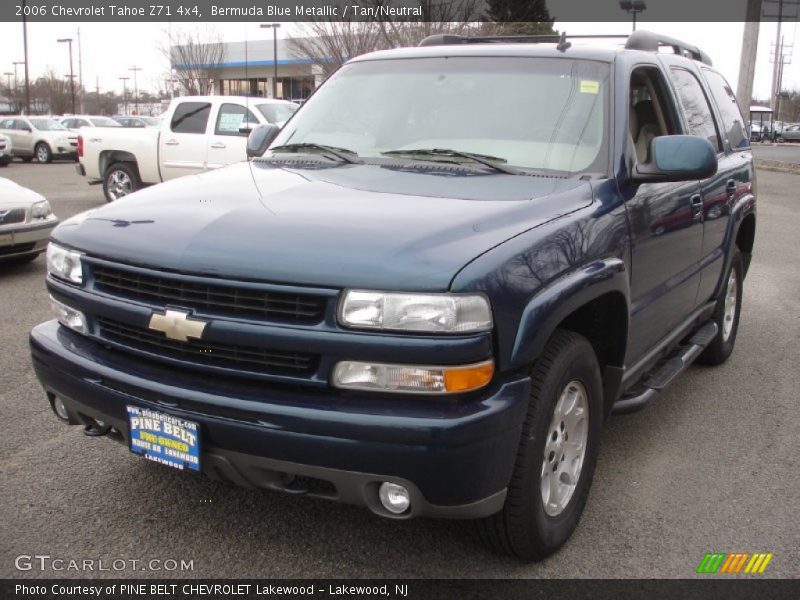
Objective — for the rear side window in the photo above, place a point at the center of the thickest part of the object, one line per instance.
(695, 106)
(231, 117)
(732, 122)
(190, 117)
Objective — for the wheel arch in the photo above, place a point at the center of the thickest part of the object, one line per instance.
(745, 239)
(110, 157)
(592, 301)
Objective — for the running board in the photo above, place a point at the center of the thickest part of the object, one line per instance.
(663, 376)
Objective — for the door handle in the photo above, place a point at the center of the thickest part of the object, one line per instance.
(697, 205)
(730, 187)
(218, 145)
(172, 143)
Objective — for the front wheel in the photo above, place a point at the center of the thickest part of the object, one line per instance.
(557, 453)
(43, 154)
(119, 180)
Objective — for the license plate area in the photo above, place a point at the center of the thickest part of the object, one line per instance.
(164, 439)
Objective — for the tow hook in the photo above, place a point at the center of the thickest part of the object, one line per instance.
(96, 429)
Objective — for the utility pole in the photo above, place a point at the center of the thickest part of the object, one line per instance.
(274, 27)
(125, 92)
(747, 68)
(80, 67)
(135, 70)
(776, 67)
(25, 45)
(71, 74)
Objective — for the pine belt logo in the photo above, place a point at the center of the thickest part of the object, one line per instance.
(735, 563)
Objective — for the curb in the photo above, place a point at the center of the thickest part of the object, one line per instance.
(777, 165)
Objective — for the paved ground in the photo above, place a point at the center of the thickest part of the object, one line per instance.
(713, 465)
(788, 152)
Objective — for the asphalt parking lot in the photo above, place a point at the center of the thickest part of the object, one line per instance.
(712, 465)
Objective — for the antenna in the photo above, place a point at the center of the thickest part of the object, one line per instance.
(563, 44)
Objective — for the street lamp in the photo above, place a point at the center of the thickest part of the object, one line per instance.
(135, 69)
(71, 75)
(633, 7)
(274, 27)
(125, 92)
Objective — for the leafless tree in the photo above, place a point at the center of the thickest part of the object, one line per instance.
(196, 57)
(335, 41)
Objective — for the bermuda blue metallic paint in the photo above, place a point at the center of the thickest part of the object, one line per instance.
(455, 452)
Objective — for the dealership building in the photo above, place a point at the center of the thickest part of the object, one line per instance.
(248, 70)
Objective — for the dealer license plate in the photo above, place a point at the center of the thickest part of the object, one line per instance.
(164, 439)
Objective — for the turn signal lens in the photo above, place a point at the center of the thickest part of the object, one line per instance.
(412, 379)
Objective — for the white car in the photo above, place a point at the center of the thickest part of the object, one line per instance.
(6, 150)
(75, 122)
(42, 138)
(197, 133)
(26, 221)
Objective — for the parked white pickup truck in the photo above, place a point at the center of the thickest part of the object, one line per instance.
(196, 133)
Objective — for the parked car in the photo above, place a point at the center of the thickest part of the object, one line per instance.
(6, 151)
(26, 221)
(138, 121)
(75, 122)
(790, 134)
(197, 133)
(42, 138)
(397, 305)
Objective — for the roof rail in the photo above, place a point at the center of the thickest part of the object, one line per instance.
(445, 39)
(651, 42)
(638, 40)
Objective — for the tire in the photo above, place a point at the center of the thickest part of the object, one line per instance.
(20, 260)
(5, 163)
(43, 153)
(525, 527)
(119, 180)
(727, 321)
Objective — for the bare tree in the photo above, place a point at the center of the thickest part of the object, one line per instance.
(332, 43)
(51, 93)
(196, 57)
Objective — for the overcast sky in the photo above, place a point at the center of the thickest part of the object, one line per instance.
(109, 49)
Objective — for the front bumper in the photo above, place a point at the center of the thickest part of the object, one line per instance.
(456, 458)
(25, 238)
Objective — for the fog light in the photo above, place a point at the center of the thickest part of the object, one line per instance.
(412, 379)
(60, 409)
(395, 498)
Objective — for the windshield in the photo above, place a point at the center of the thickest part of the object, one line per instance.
(104, 122)
(47, 125)
(277, 113)
(536, 113)
(152, 121)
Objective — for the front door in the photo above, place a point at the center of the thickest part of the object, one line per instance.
(226, 144)
(182, 144)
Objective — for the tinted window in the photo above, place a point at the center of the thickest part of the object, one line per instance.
(7, 124)
(190, 117)
(231, 117)
(695, 106)
(732, 121)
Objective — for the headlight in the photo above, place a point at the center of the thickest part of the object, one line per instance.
(69, 317)
(412, 379)
(64, 264)
(41, 209)
(435, 313)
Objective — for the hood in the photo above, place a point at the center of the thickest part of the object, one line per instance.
(14, 196)
(364, 226)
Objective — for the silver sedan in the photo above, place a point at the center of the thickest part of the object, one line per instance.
(26, 221)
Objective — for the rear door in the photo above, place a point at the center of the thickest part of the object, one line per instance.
(734, 179)
(226, 145)
(183, 140)
(23, 137)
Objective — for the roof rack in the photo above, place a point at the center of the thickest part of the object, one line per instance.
(651, 42)
(638, 40)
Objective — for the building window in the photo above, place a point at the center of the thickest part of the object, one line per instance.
(289, 88)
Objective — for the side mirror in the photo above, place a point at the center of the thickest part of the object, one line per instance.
(260, 138)
(677, 158)
(247, 127)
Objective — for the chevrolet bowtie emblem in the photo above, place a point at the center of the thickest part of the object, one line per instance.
(176, 325)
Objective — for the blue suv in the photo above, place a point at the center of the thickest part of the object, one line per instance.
(428, 290)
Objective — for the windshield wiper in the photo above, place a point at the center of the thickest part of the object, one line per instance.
(343, 154)
(484, 159)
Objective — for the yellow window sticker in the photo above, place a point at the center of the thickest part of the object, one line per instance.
(589, 87)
